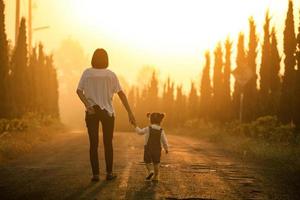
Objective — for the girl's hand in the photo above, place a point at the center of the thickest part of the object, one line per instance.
(167, 151)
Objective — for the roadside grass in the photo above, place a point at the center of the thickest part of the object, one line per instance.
(19, 136)
(265, 141)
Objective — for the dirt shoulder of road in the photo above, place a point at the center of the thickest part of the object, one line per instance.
(17, 143)
(280, 172)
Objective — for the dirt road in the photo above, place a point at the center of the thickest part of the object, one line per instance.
(192, 170)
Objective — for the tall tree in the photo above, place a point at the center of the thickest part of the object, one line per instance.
(265, 69)
(168, 100)
(205, 89)
(240, 63)
(250, 88)
(20, 73)
(218, 83)
(226, 84)
(193, 102)
(274, 74)
(32, 73)
(296, 105)
(4, 66)
(153, 92)
(289, 47)
(53, 86)
(40, 77)
(180, 106)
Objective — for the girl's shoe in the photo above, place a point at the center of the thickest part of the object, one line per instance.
(148, 178)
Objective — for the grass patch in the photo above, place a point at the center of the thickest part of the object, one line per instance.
(19, 136)
(264, 140)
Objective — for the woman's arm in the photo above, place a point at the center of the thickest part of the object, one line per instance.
(125, 103)
(83, 99)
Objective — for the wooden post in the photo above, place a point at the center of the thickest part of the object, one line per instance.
(17, 20)
(241, 107)
(29, 25)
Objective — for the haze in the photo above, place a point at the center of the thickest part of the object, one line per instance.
(168, 35)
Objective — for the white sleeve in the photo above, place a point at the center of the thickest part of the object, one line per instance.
(164, 141)
(116, 84)
(141, 131)
(82, 81)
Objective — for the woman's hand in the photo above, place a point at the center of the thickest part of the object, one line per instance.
(124, 100)
(132, 119)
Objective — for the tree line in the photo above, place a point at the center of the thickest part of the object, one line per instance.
(265, 93)
(28, 80)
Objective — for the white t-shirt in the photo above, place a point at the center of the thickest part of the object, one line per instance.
(99, 86)
(146, 132)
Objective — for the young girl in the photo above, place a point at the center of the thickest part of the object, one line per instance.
(154, 137)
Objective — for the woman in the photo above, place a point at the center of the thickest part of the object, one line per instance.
(96, 89)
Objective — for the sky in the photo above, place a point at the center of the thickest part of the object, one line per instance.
(170, 35)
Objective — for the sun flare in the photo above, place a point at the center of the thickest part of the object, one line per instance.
(167, 25)
(170, 35)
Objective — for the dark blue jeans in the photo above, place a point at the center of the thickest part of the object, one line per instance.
(92, 123)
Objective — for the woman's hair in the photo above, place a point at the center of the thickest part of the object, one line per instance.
(100, 59)
(155, 117)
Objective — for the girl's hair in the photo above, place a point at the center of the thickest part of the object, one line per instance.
(155, 117)
(100, 59)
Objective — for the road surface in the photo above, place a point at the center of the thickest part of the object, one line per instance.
(193, 169)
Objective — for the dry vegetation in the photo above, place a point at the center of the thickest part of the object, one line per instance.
(19, 136)
(264, 140)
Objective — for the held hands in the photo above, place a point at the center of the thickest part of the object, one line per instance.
(132, 119)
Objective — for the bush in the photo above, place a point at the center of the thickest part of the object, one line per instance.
(29, 121)
(266, 128)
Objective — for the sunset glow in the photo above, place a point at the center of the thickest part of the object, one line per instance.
(169, 35)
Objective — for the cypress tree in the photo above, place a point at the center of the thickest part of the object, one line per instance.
(274, 74)
(289, 47)
(226, 84)
(47, 82)
(53, 88)
(218, 83)
(40, 77)
(205, 89)
(153, 92)
(180, 107)
(20, 73)
(250, 88)
(4, 66)
(168, 100)
(33, 62)
(240, 63)
(193, 102)
(296, 109)
(265, 69)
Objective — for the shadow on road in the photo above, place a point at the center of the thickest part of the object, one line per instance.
(148, 191)
(90, 191)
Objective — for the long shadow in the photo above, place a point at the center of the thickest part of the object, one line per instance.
(146, 192)
(89, 191)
